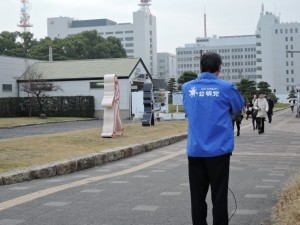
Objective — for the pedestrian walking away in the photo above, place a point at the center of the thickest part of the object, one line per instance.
(209, 103)
(292, 102)
(261, 104)
(271, 106)
(254, 112)
(237, 119)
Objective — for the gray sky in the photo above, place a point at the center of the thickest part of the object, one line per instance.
(178, 22)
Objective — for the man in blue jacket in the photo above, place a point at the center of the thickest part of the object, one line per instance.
(209, 103)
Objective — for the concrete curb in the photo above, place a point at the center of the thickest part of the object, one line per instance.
(86, 162)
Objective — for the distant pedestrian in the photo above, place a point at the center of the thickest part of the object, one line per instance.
(254, 112)
(292, 104)
(271, 106)
(248, 110)
(209, 102)
(261, 104)
(237, 119)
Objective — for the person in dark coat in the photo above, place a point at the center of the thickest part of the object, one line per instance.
(271, 106)
(237, 119)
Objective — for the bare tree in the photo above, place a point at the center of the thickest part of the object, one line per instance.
(35, 86)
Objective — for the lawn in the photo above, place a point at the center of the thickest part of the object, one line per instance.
(22, 152)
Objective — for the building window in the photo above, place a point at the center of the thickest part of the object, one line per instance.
(291, 30)
(292, 63)
(286, 38)
(287, 63)
(108, 33)
(6, 87)
(119, 32)
(97, 85)
(276, 31)
(292, 71)
(281, 31)
(287, 80)
(287, 88)
(292, 47)
(296, 30)
(292, 80)
(129, 32)
(129, 50)
(129, 39)
(291, 38)
(287, 72)
(129, 45)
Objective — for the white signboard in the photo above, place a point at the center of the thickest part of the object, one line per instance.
(177, 98)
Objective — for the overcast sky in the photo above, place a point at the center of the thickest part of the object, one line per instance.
(178, 22)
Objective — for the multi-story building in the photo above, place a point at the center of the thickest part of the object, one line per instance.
(238, 56)
(270, 55)
(277, 45)
(138, 38)
(166, 66)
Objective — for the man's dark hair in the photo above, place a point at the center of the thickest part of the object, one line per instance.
(210, 62)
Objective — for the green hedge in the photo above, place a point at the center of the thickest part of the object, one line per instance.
(60, 106)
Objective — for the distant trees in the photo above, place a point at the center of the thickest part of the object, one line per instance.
(247, 88)
(292, 94)
(172, 87)
(185, 77)
(85, 45)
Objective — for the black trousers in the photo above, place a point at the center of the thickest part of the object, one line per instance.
(260, 124)
(270, 114)
(213, 171)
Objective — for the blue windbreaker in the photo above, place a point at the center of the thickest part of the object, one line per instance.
(209, 102)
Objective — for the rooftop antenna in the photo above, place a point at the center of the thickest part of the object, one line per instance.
(24, 23)
(24, 17)
(144, 4)
(262, 8)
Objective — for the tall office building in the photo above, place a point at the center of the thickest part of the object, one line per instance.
(166, 66)
(278, 62)
(238, 56)
(271, 55)
(138, 38)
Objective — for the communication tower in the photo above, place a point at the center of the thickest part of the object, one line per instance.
(145, 6)
(24, 17)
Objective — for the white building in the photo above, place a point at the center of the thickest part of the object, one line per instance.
(138, 38)
(166, 66)
(277, 64)
(11, 69)
(85, 77)
(238, 56)
(270, 55)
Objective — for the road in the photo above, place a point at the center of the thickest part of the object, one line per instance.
(152, 188)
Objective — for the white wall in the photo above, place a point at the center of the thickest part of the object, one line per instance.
(11, 69)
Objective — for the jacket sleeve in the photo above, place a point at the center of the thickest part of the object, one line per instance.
(236, 100)
(267, 106)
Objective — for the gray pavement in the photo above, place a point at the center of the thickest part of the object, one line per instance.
(152, 188)
(50, 128)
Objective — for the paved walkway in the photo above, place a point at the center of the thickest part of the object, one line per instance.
(152, 188)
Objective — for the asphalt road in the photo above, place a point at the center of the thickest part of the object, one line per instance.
(152, 188)
(50, 128)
